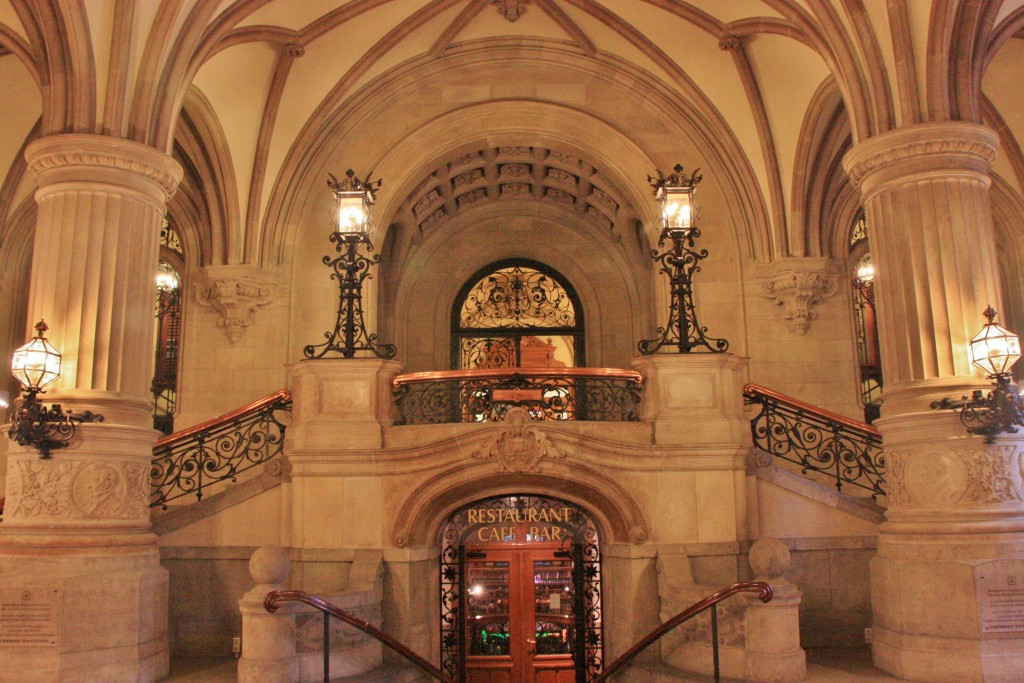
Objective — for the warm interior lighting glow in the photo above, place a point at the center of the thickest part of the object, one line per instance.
(866, 272)
(677, 209)
(352, 212)
(37, 363)
(166, 278)
(995, 349)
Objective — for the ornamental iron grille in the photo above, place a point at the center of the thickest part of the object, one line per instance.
(517, 313)
(219, 450)
(583, 545)
(868, 352)
(817, 440)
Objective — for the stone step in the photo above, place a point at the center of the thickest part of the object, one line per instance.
(388, 673)
(652, 672)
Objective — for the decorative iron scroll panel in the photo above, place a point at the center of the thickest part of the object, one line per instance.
(506, 304)
(219, 453)
(818, 442)
(584, 547)
(488, 399)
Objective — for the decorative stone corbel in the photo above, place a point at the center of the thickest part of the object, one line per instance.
(797, 285)
(236, 292)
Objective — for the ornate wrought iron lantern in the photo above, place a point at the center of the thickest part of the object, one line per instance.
(353, 224)
(995, 350)
(680, 262)
(36, 365)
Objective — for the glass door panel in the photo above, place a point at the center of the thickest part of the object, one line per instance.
(553, 600)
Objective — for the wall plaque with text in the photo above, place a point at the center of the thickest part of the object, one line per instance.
(1000, 590)
(29, 617)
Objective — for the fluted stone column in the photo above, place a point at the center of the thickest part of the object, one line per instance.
(946, 583)
(76, 542)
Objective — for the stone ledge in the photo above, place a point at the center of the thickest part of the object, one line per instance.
(861, 508)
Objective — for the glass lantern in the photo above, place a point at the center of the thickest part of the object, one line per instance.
(37, 363)
(995, 349)
(678, 211)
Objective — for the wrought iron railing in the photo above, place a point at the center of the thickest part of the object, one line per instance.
(818, 440)
(274, 599)
(597, 394)
(764, 594)
(218, 450)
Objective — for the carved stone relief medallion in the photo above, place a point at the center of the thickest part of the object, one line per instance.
(936, 479)
(519, 447)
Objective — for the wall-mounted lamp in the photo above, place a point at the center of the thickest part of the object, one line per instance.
(994, 350)
(353, 224)
(36, 365)
(674, 193)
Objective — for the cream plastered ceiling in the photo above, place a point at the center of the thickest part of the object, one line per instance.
(256, 97)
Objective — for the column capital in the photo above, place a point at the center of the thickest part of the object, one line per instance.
(77, 157)
(926, 149)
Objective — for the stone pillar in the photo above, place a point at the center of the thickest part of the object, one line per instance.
(268, 639)
(773, 652)
(953, 537)
(76, 540)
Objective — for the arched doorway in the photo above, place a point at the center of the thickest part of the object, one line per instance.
(521, 592)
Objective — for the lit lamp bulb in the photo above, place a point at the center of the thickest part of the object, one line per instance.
(995, 349)
(677, 209)
(866, 272)
(352, 212)
(36, 364)
(166, 278)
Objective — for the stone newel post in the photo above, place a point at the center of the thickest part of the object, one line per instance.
(773, 629)
(954, 535)
(268, 640)
(76, 527)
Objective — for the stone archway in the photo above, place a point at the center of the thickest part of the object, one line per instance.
(522, 522)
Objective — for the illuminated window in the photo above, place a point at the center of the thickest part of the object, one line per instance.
(865, 319)
(517, 314)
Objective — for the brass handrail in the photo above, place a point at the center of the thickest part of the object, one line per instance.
(171, 439)
(494, 373)
(764, 595)
(752, 390)
(273, 599)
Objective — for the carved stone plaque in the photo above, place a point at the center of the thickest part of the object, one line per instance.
(1000, 587)
(29, 617)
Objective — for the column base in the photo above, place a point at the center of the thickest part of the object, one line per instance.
(949, 610)
(90, 617)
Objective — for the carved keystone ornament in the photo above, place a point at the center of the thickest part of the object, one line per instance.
(797, 290)
(236, 298)
(519, 447)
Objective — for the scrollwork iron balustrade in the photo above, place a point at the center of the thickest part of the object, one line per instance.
(818, 440)
(680, 262)
(218, 450)
(593, 394)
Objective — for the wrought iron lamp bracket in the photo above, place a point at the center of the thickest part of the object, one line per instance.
(350, 269)
(45, 428)
(680, 262)
(988, 414)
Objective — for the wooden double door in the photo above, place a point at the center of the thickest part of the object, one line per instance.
(520, 619)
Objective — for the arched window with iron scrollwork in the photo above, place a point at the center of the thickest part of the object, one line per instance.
(865, 318)
(168, 314)
(517, 314)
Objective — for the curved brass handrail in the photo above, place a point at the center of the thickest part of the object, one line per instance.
(753, 390)
(497, 373)
(273, 599)
(171, 439)
(764, 595)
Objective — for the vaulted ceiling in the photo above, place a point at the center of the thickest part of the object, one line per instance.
(259, 98)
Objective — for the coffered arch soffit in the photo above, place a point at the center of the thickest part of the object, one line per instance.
(361, 135)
